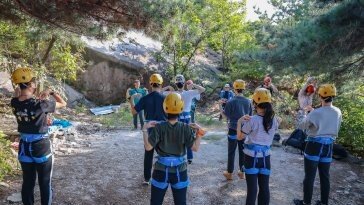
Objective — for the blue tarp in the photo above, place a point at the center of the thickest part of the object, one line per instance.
(104, 110)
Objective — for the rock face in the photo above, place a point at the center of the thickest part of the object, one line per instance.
(106, 79)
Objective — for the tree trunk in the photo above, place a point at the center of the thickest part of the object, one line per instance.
(50, 46)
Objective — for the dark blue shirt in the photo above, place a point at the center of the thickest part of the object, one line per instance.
(237, 107)
(152, 104)
(226, 94)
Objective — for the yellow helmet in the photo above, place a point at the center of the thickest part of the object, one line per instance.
(327, 90)
(156, 78)
(22, 75)
(262, 95)
(239, 84)
(173, 103)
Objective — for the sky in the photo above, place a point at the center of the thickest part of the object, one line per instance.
(261, 4)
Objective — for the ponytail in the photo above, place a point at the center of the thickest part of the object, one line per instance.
(268, 115)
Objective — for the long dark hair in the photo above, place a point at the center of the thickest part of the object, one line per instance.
(268, 115)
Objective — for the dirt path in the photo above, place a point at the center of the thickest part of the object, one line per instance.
(109, 171)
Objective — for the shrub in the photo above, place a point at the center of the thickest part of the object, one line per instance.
(7, 160)
(351, 103)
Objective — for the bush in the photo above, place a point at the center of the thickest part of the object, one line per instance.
(351, 133)
(7, 160)
(121, 118)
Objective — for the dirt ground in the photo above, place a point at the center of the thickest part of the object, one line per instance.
(109, 171)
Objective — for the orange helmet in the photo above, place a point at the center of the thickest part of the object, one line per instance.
(310, 89)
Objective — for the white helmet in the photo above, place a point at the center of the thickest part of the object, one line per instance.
(179, 79)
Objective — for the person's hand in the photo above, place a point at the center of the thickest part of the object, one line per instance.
(308, 108)
(245, 118)
(310, 79)
(150, 124)
(199, 131)
(44, 94)
(195, 126)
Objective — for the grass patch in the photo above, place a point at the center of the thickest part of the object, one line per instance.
(7, 160)
(207, 120)
(121, 118)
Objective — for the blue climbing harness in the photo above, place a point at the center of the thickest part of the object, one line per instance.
(184, 116)
(169, 162)
(323, 140)
(233, 137)
(28, 140)
(257, 149)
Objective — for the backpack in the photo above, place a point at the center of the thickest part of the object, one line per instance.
(296, 140)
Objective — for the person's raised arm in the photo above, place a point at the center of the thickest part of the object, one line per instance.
(147, 145)
(60, 103)
(199, 88)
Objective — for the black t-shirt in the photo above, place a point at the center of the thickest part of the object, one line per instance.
(152, 104)
(31, 114)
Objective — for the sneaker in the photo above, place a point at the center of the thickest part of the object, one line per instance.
(228, 176)
(189, 161)
(299, 202)
(146, 183)
(241, 174)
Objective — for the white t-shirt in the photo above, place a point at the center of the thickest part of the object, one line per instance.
(187, 97)
(255, 133)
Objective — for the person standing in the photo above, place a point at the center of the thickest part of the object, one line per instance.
(187, 97)
(322, 127)
(152, 104)
(136, 93)
(225, 95)
(35, 153)
(258, 132)
(170, 140)
(305, 97)
(189, 86)
(235, 108)
(267, 84)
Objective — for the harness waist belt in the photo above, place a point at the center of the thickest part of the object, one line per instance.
(257, 148)
(321, 139)
(169, 162)
(32, 137)
(233, 137)
(185, 115)
(326, 140)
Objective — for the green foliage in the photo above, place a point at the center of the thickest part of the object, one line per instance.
(7, 160)
(199, 24)
(65, 64)
(121, 118)
(206, 120)
(47, 50)
(351, 102)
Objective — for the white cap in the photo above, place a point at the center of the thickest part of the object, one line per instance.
(227, 85)
(179, 79)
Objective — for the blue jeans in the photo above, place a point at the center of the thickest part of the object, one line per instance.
(141, 119)
(189, 150)
(157, 194)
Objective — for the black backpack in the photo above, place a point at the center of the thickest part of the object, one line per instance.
(296, 140)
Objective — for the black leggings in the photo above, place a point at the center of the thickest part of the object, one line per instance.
(255, 180)
(232, 144)
(30, 171)
(179, 195)
(313, 148)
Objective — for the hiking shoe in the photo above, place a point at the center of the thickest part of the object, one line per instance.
(299, 202)
(189, 161)
(228, 176)
(241, 174)
(146, 182)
